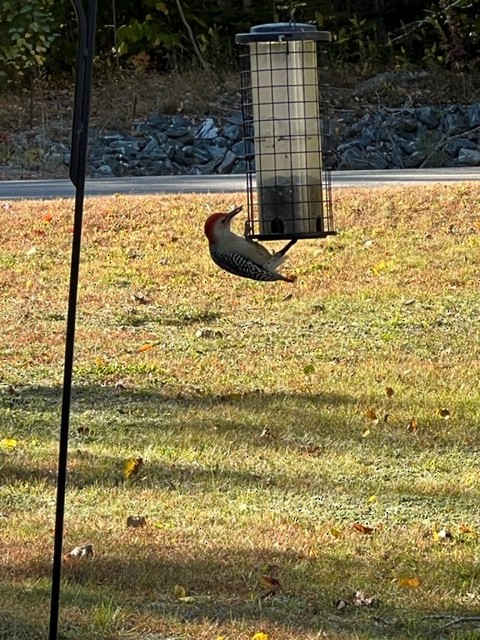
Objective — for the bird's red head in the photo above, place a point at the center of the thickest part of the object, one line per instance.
(216, 221)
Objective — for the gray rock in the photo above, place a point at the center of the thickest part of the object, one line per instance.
(177, 131)
(217, 153)
(415, 159)
(405, 123)
(473, 115)
(233, 132)
(208, 130)
(109, 136)
(54, 161)
(456, 122)
(150, 146)
(201, 155)
(227, 163)
(437, 159)
(452, 147)
(235, 118)
(429, 116)
(408, 147)
(469, 157)
(358, 159)
(105, 170)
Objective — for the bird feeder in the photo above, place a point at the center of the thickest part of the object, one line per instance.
(286, 132)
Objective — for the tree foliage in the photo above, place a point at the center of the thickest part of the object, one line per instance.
(168, 35)
(27, 30)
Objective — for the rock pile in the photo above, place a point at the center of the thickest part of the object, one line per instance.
(407, 138)
(425, 136)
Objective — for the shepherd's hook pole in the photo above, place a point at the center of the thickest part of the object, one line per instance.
(86, 19)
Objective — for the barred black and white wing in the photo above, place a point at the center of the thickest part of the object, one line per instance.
(240, 266)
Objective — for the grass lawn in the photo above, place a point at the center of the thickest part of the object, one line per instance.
(300, 443)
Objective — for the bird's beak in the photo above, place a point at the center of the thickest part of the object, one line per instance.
(233, 213)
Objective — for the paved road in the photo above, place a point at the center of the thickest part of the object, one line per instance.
(42, 189)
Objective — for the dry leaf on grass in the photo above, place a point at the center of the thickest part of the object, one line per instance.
(412, 426)
(410, 583)
(145, 347)
(389, 391)
(364, 529)
(179, 591)
(270, 584)
(371, 414)
(8, 444)
(466, 529)
(132, 467)
(136, 521)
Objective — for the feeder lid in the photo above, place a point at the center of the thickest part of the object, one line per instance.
(281, 32)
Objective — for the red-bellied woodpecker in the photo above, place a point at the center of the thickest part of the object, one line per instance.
(241, 256)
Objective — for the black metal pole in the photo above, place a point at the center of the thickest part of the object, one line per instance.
(86, 42)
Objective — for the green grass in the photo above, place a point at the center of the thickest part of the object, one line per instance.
(262, 416)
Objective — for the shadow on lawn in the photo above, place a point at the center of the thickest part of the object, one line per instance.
(223, 586)
(133, 421)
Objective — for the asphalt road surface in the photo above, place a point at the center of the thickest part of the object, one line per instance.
(46, 189)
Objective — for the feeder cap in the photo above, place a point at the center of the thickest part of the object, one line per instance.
(282, 32)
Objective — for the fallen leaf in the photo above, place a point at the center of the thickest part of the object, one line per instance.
(308, 369)
(145, 347)
(136, 521)
(266, 433)
(48, 217)
(335, 533)
(466, 529)
(340, 604)
(372, 499)
(366, 433)
(389, 391)
(413, 425)
(83, 551)
(444, 413)
(260, 636)
(179, 591)
(132, 467)
(141, 298)
(8, 443)
(195, 599)
(411, 583)
(371, 415)
(269, 583)
(364, 529)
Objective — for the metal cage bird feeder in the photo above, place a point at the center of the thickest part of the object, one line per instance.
(284, 107)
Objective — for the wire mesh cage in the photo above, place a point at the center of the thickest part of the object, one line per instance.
(286, 135)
